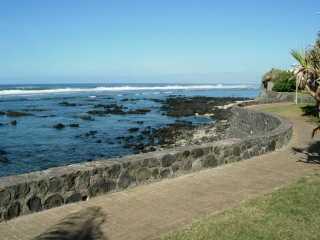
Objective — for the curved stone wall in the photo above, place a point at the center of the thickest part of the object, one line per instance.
(36, 191)
(246, 123)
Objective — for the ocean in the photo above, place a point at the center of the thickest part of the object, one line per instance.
(43, 126)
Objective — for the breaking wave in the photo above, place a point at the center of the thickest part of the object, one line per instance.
(32, 91)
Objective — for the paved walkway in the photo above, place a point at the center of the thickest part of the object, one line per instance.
(147, 211)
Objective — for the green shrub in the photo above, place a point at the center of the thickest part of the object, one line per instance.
(286, 82)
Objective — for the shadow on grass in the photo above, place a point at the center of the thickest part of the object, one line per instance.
(310, 154)
(83, 225)
(310, 110)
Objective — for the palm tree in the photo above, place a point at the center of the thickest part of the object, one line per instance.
(307, 73)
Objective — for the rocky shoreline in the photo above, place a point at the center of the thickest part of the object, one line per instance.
(142, 137)
(182, 133)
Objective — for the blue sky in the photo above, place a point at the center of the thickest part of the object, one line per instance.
(151, 41)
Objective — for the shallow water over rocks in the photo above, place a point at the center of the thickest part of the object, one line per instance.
(42, 131)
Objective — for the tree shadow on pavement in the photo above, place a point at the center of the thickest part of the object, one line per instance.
(83, 225)
(310, 154)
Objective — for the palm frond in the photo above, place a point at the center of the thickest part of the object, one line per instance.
(82, 225)
(300, 57)
(314, 59)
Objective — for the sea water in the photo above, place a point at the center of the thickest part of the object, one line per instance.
(34, 144)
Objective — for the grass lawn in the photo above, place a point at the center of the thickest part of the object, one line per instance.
(291, 213)
(308, 111)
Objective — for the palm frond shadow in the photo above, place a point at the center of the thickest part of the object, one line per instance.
(83, 225)
(310, 110)
(310, 154)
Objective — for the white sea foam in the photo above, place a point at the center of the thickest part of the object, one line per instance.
(120, 89)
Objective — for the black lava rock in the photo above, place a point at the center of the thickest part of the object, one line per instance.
(59, 126)
(3, 159)
(74, 125)
(67, 104)
(139, 111)
(133, 130)
(87, 118)
(189, 106)
(17, 114)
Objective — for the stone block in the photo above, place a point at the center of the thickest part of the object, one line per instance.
(83, 180)
(55, 185)
(52, 201)
(5, 197)
(167, 160)
(13, 211)
(114, 171)
(34, 204)
(75, 197)
(165, 172)
(125, 179)
(143, 174)
(210, 161)
(197, 153)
